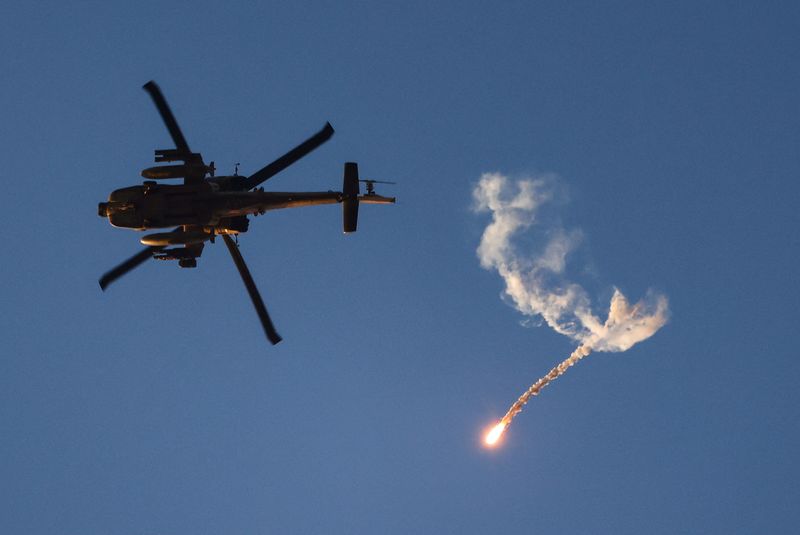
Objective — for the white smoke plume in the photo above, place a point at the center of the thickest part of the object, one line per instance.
(537, 286)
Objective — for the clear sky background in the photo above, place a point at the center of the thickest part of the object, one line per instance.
(159, 407)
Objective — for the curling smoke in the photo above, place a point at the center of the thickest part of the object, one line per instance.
(536, 285)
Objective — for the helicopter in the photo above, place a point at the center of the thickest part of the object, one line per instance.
(206, 206)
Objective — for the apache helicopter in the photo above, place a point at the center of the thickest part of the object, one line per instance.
(205, 207)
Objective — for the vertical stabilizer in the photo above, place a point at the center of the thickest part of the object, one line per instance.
(350, 191)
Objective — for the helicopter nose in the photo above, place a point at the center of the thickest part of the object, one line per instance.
(102, 209)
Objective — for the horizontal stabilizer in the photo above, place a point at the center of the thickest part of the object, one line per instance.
(376, 199)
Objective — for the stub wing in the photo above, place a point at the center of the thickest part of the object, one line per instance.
(193, 169)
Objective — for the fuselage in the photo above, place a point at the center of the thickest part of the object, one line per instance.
(153, 205)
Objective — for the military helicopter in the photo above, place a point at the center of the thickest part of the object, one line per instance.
(206, 206)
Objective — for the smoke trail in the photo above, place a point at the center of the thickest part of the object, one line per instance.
(536, 387)
(536, 284)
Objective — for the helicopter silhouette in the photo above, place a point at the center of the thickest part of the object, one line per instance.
(206, 206)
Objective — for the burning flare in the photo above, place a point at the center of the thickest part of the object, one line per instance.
(494, 435)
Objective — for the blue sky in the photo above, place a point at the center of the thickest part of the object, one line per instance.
(158, 406)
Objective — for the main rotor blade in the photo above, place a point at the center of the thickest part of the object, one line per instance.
(126, 266)
(289, 158)
(269, 328)
(166, 115)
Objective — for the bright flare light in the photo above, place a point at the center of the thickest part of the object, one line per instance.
(494, 435)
